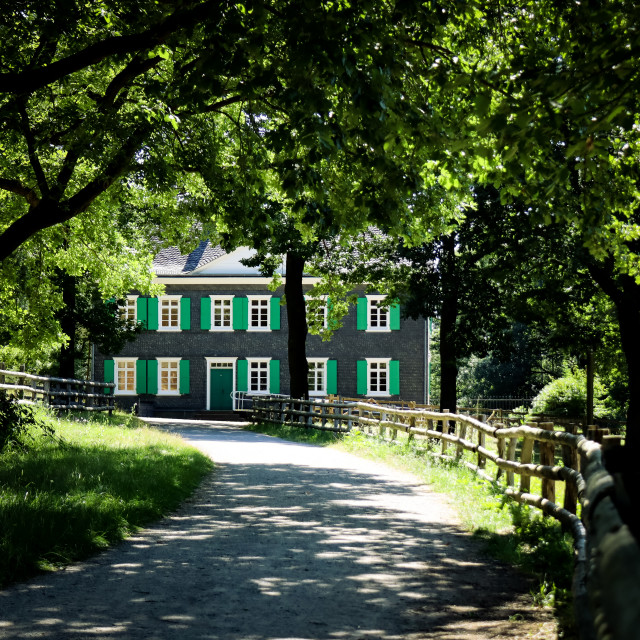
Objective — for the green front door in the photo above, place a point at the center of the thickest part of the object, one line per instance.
(221, 388)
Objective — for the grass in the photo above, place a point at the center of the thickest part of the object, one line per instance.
(97, 481)
(513, 534)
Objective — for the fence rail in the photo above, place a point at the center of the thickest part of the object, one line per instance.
(606, 583)
(57, 393)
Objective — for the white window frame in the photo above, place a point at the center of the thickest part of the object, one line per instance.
(323, 362)
(259, 298)
(373, 302)
(257, 361)
(169, 361)
(168, 299)
(130, 308)
(222, 298)
(117, 363)
(372, 365)
(321, 308)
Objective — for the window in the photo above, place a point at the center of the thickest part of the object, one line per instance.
(378, 316)
(373, 316)
(378, 374)
(128, 309)
(316, 313)
(378, 377)
(259, 312)
(259, 375)
(317, 376)
(168, 376)
(169, 313)
(125, 375)
(221, 313)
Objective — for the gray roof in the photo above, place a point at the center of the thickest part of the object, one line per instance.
(170, 262)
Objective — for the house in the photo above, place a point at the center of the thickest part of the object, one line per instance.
(218, 331)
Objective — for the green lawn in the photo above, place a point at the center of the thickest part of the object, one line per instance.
(64, 499)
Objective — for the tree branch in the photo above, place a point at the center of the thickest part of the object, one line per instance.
(48, 213)
(27, 81)
(31, 149)
(18, 188)
(135, 68)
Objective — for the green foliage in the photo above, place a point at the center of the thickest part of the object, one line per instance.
(567, 396)
(18, 424)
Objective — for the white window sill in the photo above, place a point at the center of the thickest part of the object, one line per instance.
(168, 393)
(379, 330)
(264, 329)
(169, 329)
(124, 393)
(221, 329)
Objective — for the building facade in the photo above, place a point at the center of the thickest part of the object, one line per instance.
(218, 333)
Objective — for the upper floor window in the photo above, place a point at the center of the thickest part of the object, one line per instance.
(128, 309)
(378, 315)
(221, 313)
(259, 313)
(169, 316)
(373, 315)
(125, 375)
(316, 312)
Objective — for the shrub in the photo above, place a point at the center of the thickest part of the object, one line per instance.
(567, 396)
(16, 422)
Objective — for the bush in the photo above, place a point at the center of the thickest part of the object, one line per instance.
(567, 396)
(16, 422)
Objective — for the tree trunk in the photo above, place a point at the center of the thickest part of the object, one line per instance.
(448, 320)
(68, 324)
(590, 376)
(297, 318)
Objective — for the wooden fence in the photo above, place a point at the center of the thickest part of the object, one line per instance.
(57, 393)
(606, 583)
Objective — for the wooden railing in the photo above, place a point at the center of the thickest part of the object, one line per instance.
(606, 584)
(57, 393)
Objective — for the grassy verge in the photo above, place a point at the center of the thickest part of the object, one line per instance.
(512, 533)
(100, 478)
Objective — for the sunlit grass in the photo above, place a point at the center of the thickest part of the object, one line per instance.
(102, 478)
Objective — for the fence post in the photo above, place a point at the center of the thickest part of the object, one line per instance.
(444, 430)
(482, 461)
(511, 456)
(526, 454)
(570, 459)
(501, 447)
(547, 459)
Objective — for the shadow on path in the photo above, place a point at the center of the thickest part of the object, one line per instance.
(283, 540)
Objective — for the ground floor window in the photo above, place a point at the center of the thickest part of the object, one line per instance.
(125, 375)
(259, 376)
(317, 376)
(378, 376)
(168, 376)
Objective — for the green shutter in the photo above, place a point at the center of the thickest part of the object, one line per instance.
(152, 376)
(205, 313)
(152, 316)
(242, 375)
(274, 376)
(240, 314)
(184, 376)
(109, 373)
(362, 322)
(141, 312)
(394, 317)
(185, 314)
(141, 376)
(332, 377)
(362, 382)
(274, 320)
(394, 378)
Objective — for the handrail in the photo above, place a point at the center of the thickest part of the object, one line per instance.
(57, 393)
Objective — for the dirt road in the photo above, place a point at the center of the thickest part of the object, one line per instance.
(285, 541)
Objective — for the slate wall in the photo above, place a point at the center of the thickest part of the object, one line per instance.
(347, 346)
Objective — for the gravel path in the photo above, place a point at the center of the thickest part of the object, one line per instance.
(284, 541)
